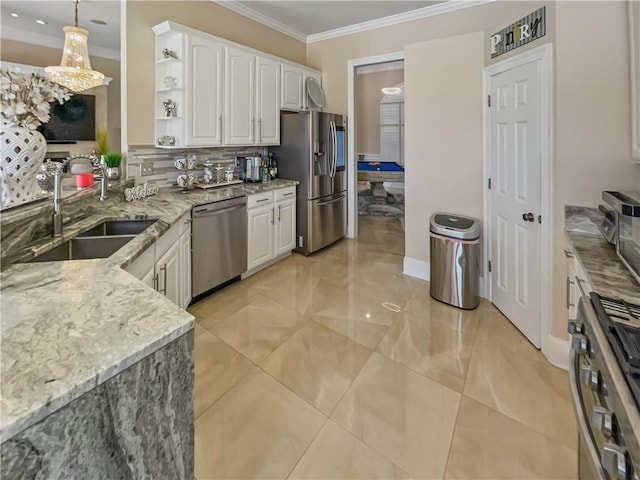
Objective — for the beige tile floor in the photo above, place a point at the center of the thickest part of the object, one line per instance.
(301, 372)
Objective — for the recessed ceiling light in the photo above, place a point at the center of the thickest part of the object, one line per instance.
(99, 22)
(15, 15)
(41, 22)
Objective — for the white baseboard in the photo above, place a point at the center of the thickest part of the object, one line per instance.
(557, 351)
(416, 268)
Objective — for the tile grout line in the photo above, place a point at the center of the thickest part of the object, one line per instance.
(521, 423)
(504, 414)
(307, 449)
(231, 386)
(453, 434)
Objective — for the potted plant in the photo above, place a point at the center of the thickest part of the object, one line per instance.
(112, 161)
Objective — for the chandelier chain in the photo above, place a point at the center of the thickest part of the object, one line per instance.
(76, 15)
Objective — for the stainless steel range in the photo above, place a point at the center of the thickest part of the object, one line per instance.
(605, 383)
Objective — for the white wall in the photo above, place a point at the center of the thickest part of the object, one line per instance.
(443, 118)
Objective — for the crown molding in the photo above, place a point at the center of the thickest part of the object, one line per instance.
(261, 18)
(19, 35)
(439, 9)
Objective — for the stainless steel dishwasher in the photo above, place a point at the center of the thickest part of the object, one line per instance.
(218, 243)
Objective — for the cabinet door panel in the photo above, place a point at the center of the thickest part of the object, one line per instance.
(168, 268)
(291, 87)
(260, 243)
(239, 97)
(185, 269)
(203, 92)
(285, 227)
(268, 102)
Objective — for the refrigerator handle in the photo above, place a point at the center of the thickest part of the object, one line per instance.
(335, 149)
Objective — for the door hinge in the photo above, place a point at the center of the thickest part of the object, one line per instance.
(489, 265)
(489, 183)
(489, 101)
(539, 218)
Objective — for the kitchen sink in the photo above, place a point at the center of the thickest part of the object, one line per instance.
(118, 227)
(84, 248)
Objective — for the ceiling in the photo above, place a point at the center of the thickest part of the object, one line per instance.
(104, 40)
(305, 20)
(310, 17)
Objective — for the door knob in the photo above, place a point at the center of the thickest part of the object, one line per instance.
(528, 217)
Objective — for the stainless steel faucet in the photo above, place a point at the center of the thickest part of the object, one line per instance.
(57, 202)
(104, 181)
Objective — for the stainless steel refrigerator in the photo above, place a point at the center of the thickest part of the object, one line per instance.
(313, 149)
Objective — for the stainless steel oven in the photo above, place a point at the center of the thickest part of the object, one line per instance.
(606, 412)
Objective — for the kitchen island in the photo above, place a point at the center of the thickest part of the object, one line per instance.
(97, 368)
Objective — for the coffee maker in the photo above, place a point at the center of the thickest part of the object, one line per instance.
(250, 168)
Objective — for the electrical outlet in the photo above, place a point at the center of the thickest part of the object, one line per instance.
(146, 169)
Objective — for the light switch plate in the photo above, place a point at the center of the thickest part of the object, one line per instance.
(146, 169)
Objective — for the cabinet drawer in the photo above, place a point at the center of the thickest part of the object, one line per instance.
(288, 193)
(259, 199)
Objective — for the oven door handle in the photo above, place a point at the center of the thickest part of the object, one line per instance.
(581, 415)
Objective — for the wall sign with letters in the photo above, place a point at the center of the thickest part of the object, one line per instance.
(525, 30)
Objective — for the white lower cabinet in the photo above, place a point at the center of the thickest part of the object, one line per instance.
(185, 270)
(260, 236)
(271, 227)
(577, 284)
(285, 226)
(166, 265)
(168, 271)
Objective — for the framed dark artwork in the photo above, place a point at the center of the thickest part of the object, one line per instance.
(75, 120)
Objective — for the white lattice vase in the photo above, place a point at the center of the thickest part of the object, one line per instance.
(23, 151)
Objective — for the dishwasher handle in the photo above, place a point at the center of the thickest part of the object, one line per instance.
(211, 213)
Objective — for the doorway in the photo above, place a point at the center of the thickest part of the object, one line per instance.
(517, 166)
(379, 128)
(352, 133)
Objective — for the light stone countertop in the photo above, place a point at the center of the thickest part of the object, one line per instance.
(69, 326)
(607, 275)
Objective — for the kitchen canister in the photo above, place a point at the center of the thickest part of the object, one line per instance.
(208, 172)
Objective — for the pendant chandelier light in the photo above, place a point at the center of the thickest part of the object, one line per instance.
(75, 71)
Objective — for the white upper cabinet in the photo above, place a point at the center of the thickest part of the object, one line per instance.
(239, 118)
(291, 87)
(212, 92)
(204, 91)
(267, 101)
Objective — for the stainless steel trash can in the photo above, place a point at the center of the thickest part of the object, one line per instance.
(455, 253)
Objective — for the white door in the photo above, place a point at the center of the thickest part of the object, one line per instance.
(285, 227)
(185, 269)
(239, 118)
(260, 236)
(291, 87)
(168, 269)
(203, 92)
(515, 196)
(268, 102)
